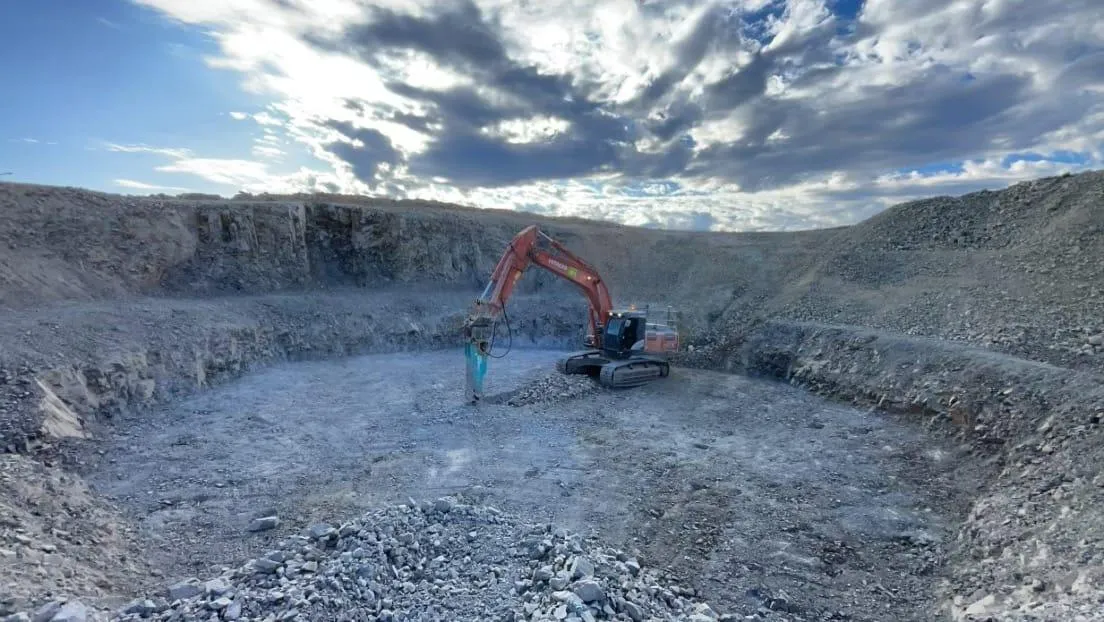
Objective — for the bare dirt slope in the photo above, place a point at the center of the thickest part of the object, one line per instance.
(1019, 271)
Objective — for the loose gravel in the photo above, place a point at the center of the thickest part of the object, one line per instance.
(431, 561)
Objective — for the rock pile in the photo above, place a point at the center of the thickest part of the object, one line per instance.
(555, 386)
(433, 561)
(57, 538)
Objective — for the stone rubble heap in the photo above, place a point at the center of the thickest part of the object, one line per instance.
(438, 561)
(555, 386)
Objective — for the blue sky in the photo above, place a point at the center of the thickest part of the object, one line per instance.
(723, 114)
(98, 71)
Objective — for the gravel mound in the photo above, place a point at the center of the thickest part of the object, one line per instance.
(438, 561)
(551, 388)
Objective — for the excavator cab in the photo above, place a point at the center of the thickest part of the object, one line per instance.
(624, 333)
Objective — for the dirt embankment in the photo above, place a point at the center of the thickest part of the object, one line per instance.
(1031, 546)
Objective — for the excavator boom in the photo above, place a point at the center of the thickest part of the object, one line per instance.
(533, 247)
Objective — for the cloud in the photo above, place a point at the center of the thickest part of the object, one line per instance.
(748, 107)
(138, 185)
(256, 177)
(239, 116)
(108, 23)
(162, 151)
(267, 151)
(32, 141)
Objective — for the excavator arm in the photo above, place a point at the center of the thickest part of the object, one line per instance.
(530, 246)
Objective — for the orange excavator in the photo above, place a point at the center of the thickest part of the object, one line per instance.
(624, 349)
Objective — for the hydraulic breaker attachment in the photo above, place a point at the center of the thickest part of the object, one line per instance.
(479, 331)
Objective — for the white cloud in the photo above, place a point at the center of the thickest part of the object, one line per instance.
(794, 121)
(162, 151)
(265, 118)
(267, 151)
(138, 185)
(531, 130)
(256, 177)
(244, 173)
(32, 141)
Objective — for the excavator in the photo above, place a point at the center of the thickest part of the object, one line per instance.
(623, 348)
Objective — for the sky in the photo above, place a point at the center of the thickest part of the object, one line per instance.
(727, 115)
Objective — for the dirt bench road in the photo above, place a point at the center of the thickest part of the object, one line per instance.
(764, 498)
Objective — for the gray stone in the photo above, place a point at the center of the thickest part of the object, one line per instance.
(264, 523)
(581, 567)
(233, 612)
(140, 607)
(632, 610)
(559, 581)
(217, 587)
(320, 531)
(442, 505)
(589, 590)
(72, 611)
(277, 556)
(266, 565)
(705, 610)
(46, 612)
(22, 616)
(185, 590)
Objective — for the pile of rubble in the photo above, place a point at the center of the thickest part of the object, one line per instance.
(554, 387)
(431, 561)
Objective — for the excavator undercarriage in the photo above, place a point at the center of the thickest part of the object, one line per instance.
(614, 373)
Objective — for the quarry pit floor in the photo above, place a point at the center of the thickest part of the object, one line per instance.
(764, 498)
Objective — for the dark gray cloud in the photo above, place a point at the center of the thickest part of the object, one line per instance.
(365, 160)
(942, 113)
(459, 36)
(716, 28)
(938, 119)
(482, 161)
(463, 38)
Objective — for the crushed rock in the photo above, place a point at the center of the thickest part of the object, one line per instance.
(551, 388)
(57, 538)
(441, 560)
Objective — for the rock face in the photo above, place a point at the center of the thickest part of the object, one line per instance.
(92, 246)
(440, 560)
